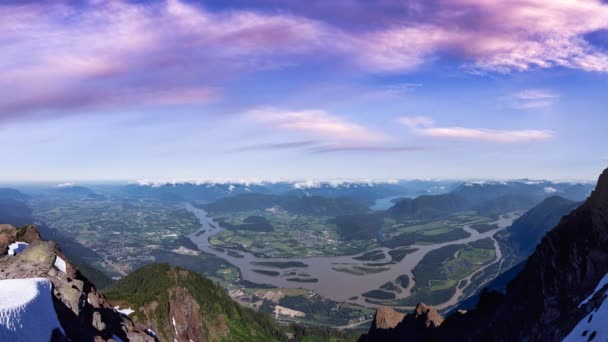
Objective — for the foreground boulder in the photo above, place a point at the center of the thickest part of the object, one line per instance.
(390, 325)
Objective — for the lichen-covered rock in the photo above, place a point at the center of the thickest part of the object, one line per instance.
(98, 322)
(39, 252)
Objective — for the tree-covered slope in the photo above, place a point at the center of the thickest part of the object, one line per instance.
(182, 305)
(174, 300)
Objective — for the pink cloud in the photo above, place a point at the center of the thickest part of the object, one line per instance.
(426, 127)
(317, 123)
(105, 49)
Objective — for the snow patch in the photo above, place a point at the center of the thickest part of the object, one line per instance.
(16, 247)
(125, 312)
(550, 190)
(594, 324)
(599, 286)
(174, 325)
(60, 264)
(26, 310)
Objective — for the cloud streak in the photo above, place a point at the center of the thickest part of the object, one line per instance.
(369, 149)
(276, 146)
(426, 127)
(315, 122)
(534, 98)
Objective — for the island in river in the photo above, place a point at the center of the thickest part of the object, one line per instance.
(346, 278)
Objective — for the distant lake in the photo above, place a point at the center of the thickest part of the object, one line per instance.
(385, 202)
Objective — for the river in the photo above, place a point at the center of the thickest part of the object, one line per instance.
(338, 286)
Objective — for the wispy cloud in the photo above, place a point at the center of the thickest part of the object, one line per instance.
(277, 146)
(369, 149)
(393, 90)
(317, 123)
(534, 98)
(426, 126)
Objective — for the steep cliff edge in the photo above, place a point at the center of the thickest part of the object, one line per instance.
(546, 300)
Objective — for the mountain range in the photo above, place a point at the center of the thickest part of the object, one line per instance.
(559, 294)
(556, 293)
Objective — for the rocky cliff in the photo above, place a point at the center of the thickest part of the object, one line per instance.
(546, 300)
(83, 312)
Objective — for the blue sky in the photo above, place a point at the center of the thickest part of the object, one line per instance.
(279, 89)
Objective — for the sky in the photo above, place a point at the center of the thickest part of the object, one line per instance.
(288, 89)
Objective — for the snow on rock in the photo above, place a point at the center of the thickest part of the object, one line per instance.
(599, 286)
(26, 310)
(594, 326)
(60, 264)
(150, 332)
(174, 325)
(125, 312)
(16, 247)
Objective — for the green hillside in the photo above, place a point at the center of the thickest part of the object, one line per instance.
(160, 294)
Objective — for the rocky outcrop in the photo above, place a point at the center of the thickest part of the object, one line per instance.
(542, 302)
(390, 325)
(386, 318)
(83, 312)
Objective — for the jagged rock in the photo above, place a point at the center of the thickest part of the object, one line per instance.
(386, 318)
(71, 297)
(92, 299)
(428, 315)
(97, 322)
(83, 312)
(139, 337)
(28, 234)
